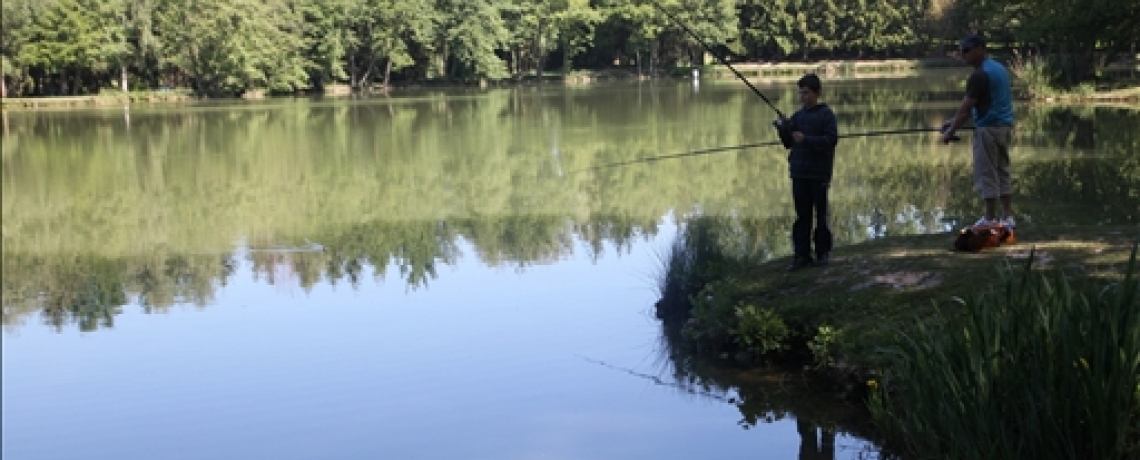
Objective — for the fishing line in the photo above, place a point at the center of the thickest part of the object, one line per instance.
(763, 144)
(659, 381)
(717, 56)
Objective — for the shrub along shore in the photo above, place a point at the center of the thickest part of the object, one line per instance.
(1030, 350)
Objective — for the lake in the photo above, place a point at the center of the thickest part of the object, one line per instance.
(455, 273)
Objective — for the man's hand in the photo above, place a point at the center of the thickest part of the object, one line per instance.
(798, 136)
(948, 135)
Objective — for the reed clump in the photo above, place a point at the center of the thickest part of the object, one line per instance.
(1038, 368)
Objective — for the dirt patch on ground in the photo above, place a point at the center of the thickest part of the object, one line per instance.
(902, 280)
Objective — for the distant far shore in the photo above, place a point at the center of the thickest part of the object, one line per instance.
(1127, 93)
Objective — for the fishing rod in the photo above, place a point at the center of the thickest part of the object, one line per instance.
(765, 144)
(717, 56)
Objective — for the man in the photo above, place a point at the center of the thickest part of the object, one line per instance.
(989, 100)
(811, 134)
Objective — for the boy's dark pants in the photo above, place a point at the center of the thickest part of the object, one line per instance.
(809, 194)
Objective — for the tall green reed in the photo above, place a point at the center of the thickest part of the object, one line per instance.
(1040, 369)
(706, 250)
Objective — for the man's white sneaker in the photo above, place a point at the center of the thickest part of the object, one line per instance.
(984, 221)
(1008, 222)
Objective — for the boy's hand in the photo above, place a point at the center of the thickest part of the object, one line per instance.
(798, 136)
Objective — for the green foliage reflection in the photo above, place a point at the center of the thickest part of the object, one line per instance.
(160, 202)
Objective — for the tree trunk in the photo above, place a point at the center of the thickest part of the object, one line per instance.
(653, 47)
(387, 73)
(123, 79)
(536, 49)
(366, 79)
(443, 58)
(516, 63)
(3, 89)
(352, 82)
(566, 61)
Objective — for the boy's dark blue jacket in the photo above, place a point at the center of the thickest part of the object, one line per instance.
(815, 156)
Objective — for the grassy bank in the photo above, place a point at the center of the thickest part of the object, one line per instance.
(852, 319)
(870, 291)
(851, 68)
(107, 99)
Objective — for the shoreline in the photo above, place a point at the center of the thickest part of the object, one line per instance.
(838, 69)
(872, 291)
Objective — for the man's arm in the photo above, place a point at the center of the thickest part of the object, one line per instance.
(976, 85)
(959, 119)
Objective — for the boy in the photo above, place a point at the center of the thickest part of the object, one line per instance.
(811, 135)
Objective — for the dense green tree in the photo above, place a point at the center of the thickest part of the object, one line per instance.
(370, 37)
(327, 38)
(15, 16)
(766, 28)
(468, 34)
(576, 23)
(1076, 38)
(880, 26)
(72, 38)
(223, 47)
(656, 28)
(1084, 35)
(229, 46)
(537, 28)
(141, 48)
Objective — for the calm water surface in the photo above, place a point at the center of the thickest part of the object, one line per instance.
(450, 274)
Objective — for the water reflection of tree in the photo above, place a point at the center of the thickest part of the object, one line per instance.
(388, 191)
(90, 291)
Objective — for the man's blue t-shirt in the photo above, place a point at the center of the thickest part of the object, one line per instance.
(990, 85)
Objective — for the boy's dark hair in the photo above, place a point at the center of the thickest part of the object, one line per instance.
(810, 81)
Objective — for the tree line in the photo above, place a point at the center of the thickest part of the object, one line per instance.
(225, 47)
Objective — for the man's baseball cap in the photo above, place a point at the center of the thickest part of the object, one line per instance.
(972, 41)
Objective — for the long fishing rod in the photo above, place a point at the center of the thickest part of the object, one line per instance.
(765, 144)
(717, 56)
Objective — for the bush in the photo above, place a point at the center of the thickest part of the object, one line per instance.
(1040, 76)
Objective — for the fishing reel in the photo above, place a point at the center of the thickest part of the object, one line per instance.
(788, 125)
(943, 129)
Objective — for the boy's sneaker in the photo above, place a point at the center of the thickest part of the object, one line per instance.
(985, 221)
(1008, 222)
(798, 263)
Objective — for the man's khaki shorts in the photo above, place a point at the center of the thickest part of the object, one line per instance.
(991, 161)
